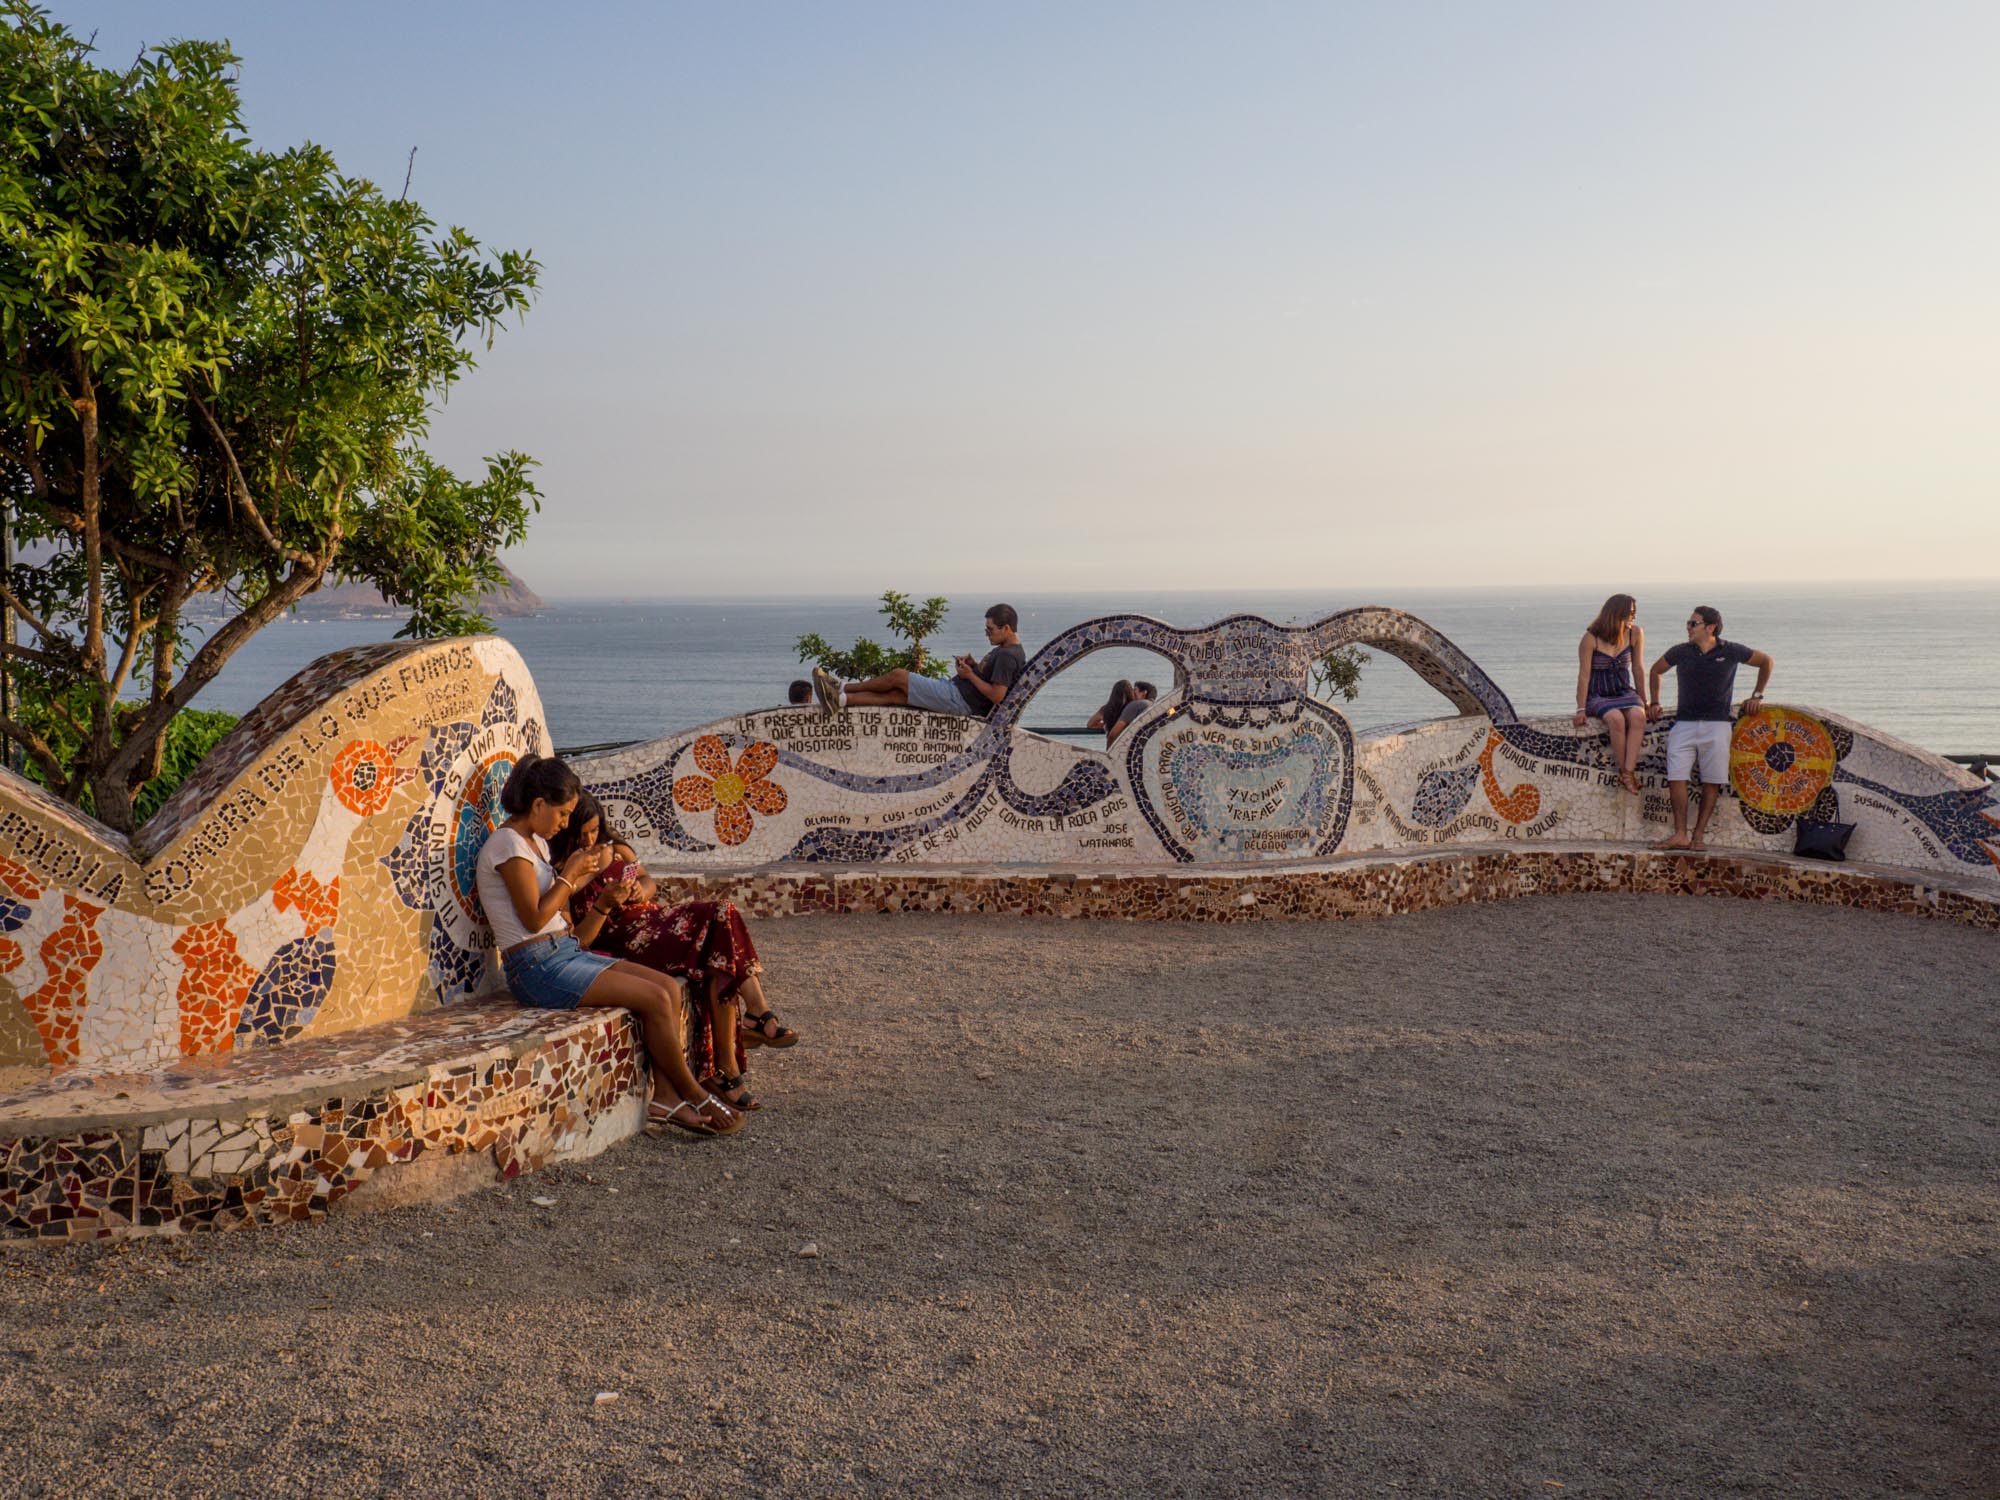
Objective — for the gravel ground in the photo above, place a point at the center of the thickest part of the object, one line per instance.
(1513, 1200)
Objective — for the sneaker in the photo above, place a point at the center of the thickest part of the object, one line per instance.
(826, 688)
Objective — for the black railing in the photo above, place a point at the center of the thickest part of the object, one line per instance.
(1987, 765)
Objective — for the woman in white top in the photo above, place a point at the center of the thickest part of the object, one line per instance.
(525, 900)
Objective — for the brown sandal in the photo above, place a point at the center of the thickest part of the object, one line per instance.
(727, 1089)
(764, 1029)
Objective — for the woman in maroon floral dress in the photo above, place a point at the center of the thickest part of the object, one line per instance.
(704, 943)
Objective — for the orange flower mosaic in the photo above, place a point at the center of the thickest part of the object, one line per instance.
(214, 982)
(1780, 760)
(318, 905)
(56, 1004)
(364, 777)
(1517, 806)
(733, 792)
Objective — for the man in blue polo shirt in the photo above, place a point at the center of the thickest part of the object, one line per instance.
(1704, 677)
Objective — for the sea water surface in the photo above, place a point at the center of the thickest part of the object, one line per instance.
(1919, 662)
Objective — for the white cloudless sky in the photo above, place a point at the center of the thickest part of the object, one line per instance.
(845, 296)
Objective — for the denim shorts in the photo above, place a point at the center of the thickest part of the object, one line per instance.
(938, 694)
(552, 975)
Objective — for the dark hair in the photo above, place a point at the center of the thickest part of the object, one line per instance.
(1004, 616)
(1147, 688)
(1121, 694)
(540, 776)
(1711, 614)
(1617, 610)
(567, 842)
(800, 691)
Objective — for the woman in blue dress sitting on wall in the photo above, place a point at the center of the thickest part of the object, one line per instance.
(1604, 682)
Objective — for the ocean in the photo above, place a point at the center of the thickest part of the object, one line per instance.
(1920, 662)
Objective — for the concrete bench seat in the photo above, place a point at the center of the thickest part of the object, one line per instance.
(422, 1106)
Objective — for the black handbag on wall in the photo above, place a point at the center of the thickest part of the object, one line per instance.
(1823, 840)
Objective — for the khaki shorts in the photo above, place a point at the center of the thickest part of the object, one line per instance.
(1701, 742)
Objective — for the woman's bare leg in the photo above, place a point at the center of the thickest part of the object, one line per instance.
(1614, 726)
(1635, 738)
(722, 1026)
(656, 1000)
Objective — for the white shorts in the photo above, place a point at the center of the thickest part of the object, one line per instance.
(1703, 742)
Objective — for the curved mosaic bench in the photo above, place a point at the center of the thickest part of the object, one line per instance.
(283, 1133)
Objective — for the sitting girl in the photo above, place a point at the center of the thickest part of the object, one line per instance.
(524, 896)
(701, 942)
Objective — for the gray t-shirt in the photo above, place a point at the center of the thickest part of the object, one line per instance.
(1130, 712)
(1002, 665)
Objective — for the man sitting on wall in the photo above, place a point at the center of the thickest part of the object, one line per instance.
(973, 692)
(1704, 673)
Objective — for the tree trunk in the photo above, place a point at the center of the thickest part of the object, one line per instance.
(115, 779)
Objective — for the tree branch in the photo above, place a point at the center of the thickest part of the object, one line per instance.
(138, 626)
(303, 578)
(70, 521)
(27, 460)
(41, 626)
(38, 747)
(241, 489)
(93, 549)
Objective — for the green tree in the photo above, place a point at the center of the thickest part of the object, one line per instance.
(866, 658)
(1339, 671)
(217, 364)
(191, 735)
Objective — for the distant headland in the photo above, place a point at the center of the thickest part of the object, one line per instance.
(510, 601)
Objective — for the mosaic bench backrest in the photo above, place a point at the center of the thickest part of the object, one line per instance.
(312, 876)
(1241, 763)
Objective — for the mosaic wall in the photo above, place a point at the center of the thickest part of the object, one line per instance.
(313, 876)
(1240, 763)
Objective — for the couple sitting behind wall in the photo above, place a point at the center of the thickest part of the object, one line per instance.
(1127, 702)
(1704, 678)
(543, 914)
(971, 692)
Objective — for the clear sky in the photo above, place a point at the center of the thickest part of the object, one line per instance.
(982, 296)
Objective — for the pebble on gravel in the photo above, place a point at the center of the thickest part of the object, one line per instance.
(809, 1251)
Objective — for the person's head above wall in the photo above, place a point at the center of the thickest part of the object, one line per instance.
(540, 791)
(801, 691)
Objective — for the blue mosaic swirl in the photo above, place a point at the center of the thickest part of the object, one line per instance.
(288, 993)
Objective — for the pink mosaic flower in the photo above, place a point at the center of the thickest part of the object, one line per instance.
(732, 791)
